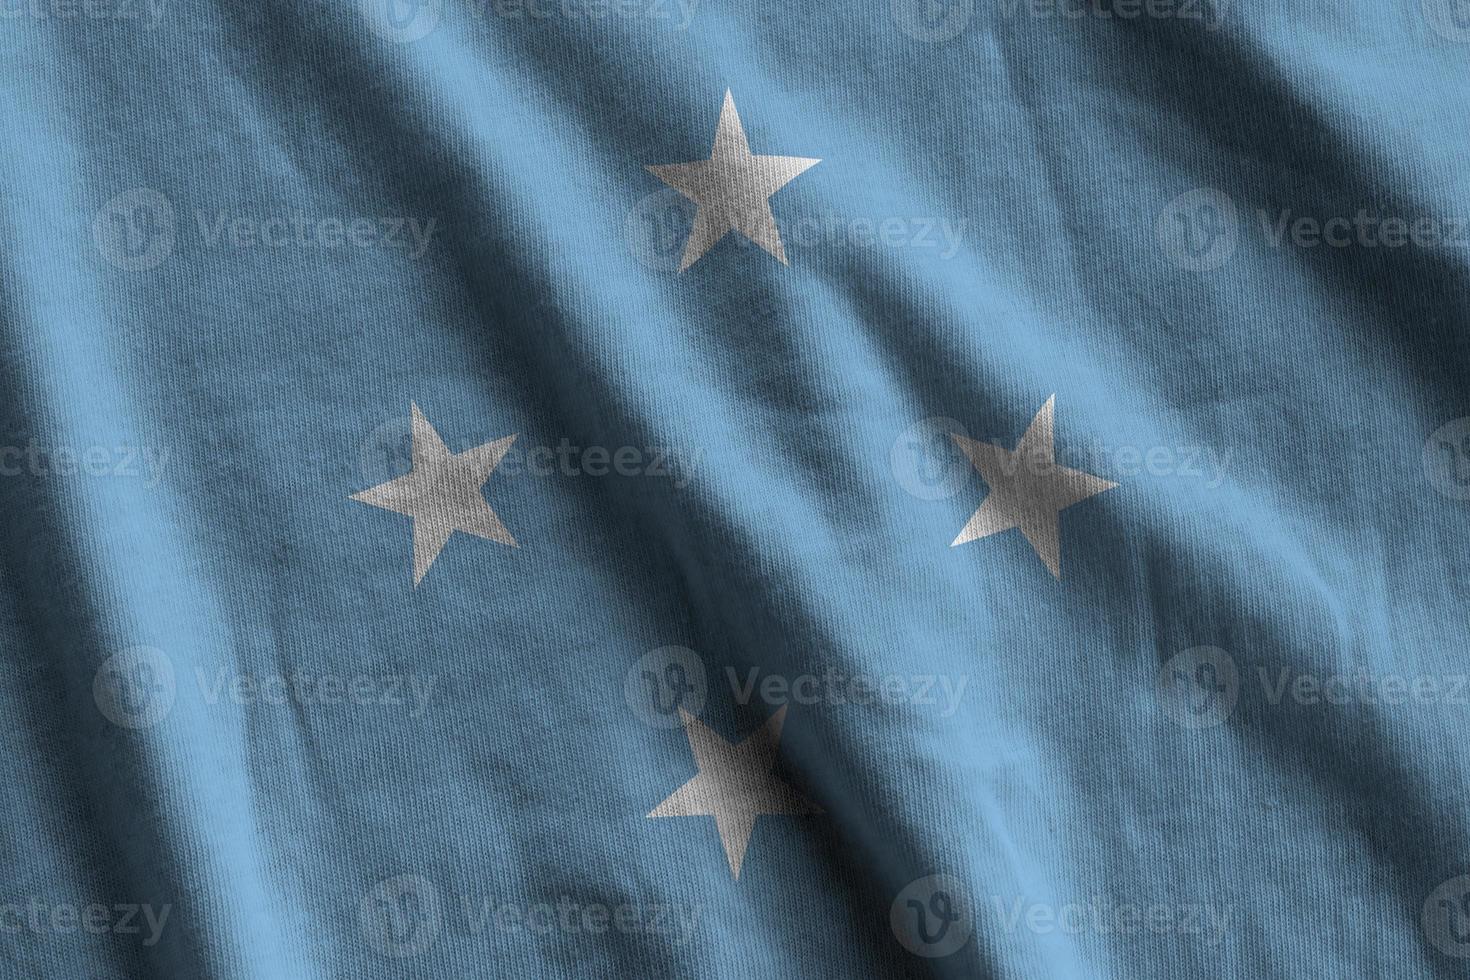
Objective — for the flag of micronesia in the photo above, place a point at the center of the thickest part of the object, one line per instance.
(720, 488)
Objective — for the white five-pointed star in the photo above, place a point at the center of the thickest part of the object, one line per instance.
(1028, 489)
(733, 189)
(442, 493)
(736, 784)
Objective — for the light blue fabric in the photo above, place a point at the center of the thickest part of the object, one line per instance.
(239, 241)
